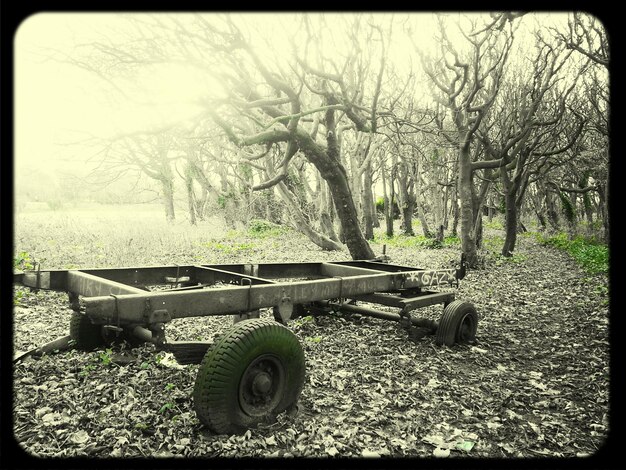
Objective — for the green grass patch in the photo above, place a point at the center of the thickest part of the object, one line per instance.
(415, 241)
(495, 224)
(229, 246)
(23, 261)
(592, 255)
(493, 243)
(264, 229)
(451, 241)
(405, 241)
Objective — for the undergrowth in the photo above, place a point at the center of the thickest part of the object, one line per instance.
(414, 241)
(592, 255)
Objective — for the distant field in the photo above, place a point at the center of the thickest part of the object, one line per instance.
(108, 235)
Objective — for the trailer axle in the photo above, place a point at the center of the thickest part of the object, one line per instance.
(371, 312)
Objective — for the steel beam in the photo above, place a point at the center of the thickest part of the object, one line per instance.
(371, 312)
(89, 285)
(211, 275)
(236, 299)
(424, 299)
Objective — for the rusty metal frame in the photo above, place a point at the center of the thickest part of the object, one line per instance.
(121, 293)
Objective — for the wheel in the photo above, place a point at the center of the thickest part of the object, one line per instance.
(131, 339)
(254, 372)
(86, 335)
(299, 310)
(457, 325)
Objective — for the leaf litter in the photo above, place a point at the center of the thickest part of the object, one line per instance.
(535, 383)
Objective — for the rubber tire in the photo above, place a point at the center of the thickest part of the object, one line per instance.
(299, 310)
(85, 334)
(216, 390)
(454, 315)
(128, 336)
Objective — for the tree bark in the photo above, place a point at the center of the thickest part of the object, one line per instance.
(510, 225)
(328, 163)
(190, 196)
(466, 210)
(325, 210)
(300, 221)
(421, 214)
(387, 205)
(406, 199)
(367, 201)
(167, 188)
(455, 210)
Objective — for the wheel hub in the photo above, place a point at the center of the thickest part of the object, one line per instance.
(261, 384)
(466, 329)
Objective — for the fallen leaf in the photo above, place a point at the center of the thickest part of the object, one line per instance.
(465, 445)
(332, 451)
(117, 453)
(369, 453)
(42, 411)
(79, 437)
(440, 452)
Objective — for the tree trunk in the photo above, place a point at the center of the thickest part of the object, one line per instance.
(604, 213)
(510, 221)
(328, 163)
(446, 196)
(346, 212)
(355, 179)
(387, 209)
(201, 203)
(367, 201)
(406, 200)
(510, 225)
(167, 187)
(300, 221)
(455, 215)
(190, 197)
(325, 210)
(553, 215)
(230, 211)
(439, 237)
(466, 211)
(421, 214)
(387, 204)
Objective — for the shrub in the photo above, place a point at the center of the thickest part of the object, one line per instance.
(380, 207)
(262, 229)
(23, 261)
(55, 204)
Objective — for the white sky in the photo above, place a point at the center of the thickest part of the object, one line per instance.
(57, 102)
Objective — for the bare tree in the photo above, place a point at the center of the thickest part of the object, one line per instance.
(529, 108)
(467, 86)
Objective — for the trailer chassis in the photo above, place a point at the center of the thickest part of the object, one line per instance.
(256, 369)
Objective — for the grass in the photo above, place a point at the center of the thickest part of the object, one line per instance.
(414, 241)
(494, 244)
(264, 229)
(495, 224)
(592, 255)
(98, 235)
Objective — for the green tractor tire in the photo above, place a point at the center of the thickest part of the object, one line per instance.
(251, 374)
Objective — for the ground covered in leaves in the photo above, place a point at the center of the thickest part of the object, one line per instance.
(535, 383)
